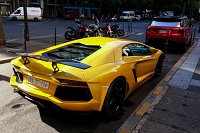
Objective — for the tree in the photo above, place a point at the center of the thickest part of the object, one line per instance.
(2, 35)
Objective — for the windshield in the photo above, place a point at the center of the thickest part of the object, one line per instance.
(76, 51)
(170, 24)
(124, 14)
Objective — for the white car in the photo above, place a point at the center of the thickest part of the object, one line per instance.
(138, 17)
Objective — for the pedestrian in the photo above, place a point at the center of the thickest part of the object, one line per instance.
(82, 17)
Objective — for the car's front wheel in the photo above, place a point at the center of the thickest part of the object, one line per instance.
(159, 66)
(114, 98)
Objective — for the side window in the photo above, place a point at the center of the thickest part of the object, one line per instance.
(132, 14)
(135, 49)
(18, 12)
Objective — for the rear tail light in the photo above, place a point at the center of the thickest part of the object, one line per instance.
(72, 82)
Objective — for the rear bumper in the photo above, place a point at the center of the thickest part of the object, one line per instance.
(160, 41)
(49, 100)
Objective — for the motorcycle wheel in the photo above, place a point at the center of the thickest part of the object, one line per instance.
(120, 32)
(110, 34)
(68, 35)
(99, 34)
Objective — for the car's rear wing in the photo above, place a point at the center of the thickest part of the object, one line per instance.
(24, 55)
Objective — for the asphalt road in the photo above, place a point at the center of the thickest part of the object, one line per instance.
(19, 115)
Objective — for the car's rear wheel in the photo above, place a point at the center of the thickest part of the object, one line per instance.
(159, 66)
(35, 19)
(114, 98)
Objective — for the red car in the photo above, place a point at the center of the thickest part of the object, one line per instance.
(175, 30)
(71, 15)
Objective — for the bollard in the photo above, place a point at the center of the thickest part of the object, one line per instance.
(24, 39)
(194, 33)
(199, 28)
(55, 37)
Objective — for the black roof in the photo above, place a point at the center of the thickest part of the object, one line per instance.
(168, 18)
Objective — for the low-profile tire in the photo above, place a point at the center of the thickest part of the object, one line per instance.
(159, 66)
(183, 48)
(14, 19)
(68, 35)
(114, 99)
(120, 32)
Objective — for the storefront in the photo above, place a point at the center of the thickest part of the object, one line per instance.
(5, 8)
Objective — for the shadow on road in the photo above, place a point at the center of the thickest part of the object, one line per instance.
(5, 78)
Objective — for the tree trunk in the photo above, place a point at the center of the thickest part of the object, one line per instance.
(2, 35)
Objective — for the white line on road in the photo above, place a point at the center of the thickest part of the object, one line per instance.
(138, 34)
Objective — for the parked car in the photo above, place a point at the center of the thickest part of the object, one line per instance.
(79, 76)
(127, 16)
(33, 13)
(175, 30)
(70, 15)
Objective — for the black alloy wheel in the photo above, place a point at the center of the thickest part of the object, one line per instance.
(159, 66)
(114, 99)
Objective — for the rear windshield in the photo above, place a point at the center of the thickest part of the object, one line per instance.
(76, 51)
(170, 24)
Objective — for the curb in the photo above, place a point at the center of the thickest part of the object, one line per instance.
(138, 118)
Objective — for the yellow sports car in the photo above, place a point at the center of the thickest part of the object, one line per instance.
(89, 74)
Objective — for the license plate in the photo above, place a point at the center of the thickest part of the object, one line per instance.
(162, 31)
(37, 82)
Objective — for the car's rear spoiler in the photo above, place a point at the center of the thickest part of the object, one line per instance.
(24, 55)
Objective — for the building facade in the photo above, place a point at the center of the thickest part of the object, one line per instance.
(50, 8)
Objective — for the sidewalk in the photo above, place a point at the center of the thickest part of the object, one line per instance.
(173, 106)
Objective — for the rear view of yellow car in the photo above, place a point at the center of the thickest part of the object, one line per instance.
(89, 74)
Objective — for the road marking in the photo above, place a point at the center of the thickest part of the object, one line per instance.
(124, 131)
(158, 90)
(143, 109)
(138, 34)
(180, 62)
(35, 37)
(174, 69)
(167, 78)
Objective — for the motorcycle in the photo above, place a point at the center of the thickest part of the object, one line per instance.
(107, 30)
(70, 34)
(95, 31)
(81, 31)
(117, 30)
